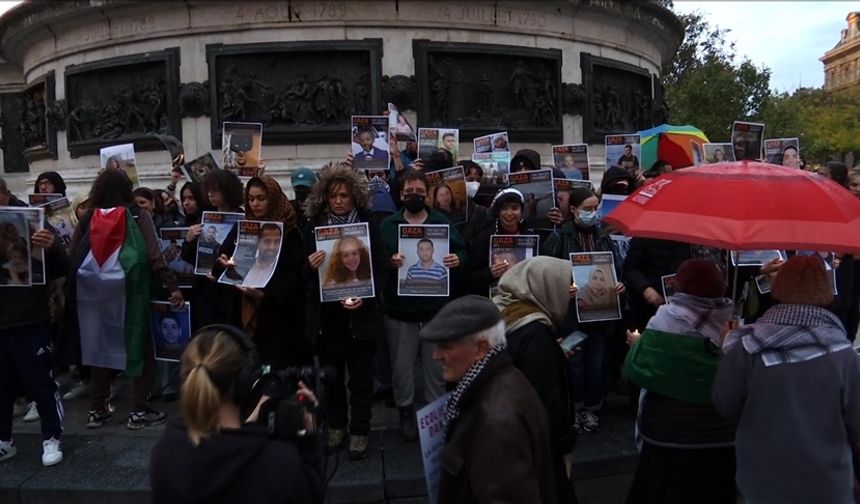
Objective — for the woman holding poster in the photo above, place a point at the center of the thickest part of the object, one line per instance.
(345, 329)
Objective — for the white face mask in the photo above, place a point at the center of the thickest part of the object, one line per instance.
(472, 188)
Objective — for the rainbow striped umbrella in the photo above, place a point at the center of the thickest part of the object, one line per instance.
(680, 146)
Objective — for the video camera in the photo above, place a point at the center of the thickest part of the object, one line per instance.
(284, 412)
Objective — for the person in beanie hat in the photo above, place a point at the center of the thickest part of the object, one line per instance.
(686, 445)
(507, 208)
(493, 414)
(792, 379)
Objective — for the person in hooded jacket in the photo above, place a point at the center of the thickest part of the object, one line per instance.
(618, 181)
(213, 454)
(49, 182)
(345, 330)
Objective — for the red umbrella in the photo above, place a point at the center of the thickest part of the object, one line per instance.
(744, 206)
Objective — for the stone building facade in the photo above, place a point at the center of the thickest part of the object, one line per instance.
(842, 63)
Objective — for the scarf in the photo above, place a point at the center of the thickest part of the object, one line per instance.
(520, 313)
(534, 289)
(789, 333)
(692, 315)
(452, 407)
(339, 220)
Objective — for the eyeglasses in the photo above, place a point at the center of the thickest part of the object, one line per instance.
(414, 192)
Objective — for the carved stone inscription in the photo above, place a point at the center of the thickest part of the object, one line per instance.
(618, 98)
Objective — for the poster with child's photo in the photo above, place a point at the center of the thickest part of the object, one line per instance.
(241, 148)
(35, 222)
(718, 152)
(399, 126)
(62, 218)
(432, 140)
(198, 168)
(447, 193)
(370, 142)
(423, 247)
(258, 247)
(495, 166)
(783, 151)
(572, 160)
(747, 140)
(539, 194)
(120, 157)
(214, 228)
(15, 250)
(170, 328)
(172, 240)
(511, 249)
(594, 275)
(347, 271)
(623, 151)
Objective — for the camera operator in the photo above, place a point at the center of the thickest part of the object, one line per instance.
(211, 455)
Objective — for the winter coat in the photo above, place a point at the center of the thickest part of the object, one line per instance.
(648, 260)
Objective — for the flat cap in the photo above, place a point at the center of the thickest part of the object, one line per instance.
(461, 317)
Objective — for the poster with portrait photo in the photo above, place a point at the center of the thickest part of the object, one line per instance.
(783, 151)
(35, 222)
(563, 187)
(747, 140)
(347, 271)
(511, 249)
(258, 247)
(171, 241)
(609, 202)
(214, 228)
(539, 193)
(399, 126)
(668, 282)
(423, 246)
(61, 216)
(447, 193)
(120, 157)
(170, 328)
(432, 140)
(195, 170)
(42, 199)
(494, 142)
(623, 151)
(241, 148)
(495, 165)
(755, 257)
(572, 160)
(718, 153)
(370, 142)
(594, 275)
(15, 249)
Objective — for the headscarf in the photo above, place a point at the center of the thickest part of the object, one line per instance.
(536, 289)
(278, 207)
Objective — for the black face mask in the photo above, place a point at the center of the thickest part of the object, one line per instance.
(414, 203)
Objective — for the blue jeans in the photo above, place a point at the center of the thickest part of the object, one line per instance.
(586, 370)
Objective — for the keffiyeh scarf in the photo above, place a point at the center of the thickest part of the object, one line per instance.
(452, 408)
(789, 333)
(687, 314)
(339, 220)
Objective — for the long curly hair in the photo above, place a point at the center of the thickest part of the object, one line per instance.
(337, 272)
(330, 176)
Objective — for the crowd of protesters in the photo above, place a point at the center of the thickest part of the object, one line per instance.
(772, 407)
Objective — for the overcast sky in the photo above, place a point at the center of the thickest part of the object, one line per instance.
(787, 37)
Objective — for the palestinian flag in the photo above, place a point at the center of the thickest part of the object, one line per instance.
(112, 290)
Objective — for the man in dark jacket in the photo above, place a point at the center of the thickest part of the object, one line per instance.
(648, 260)
(6, 197)
(497, 441)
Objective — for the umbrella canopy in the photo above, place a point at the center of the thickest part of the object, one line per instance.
(680, 146)
(744, 206)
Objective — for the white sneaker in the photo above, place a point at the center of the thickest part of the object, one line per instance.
(32, 413)
(79, 390)
(51, 452)
(7, 449)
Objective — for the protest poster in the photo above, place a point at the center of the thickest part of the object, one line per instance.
(171, 241)
(16, 260)
(61, 216)
(41, 199)
(764, 283)
(170, 328)
(783, 151)
(258, 246)
(196, 169)
(755, 257)
(718, 152)
(370, 142)
(423, 246)
(539, 193)
(609, 202)
(594, 275)
(398, 125)
(747, 140)
(241, 148)
(431, 436)
(214, 228)
(562, 188)
(120, 157)
(495, 165)
(447, 193)
(432, 140)
(572, 160)
(623, 151)
(494, 142)
(35, 222)
(347, 271)
(511, 249)
(668, 282)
